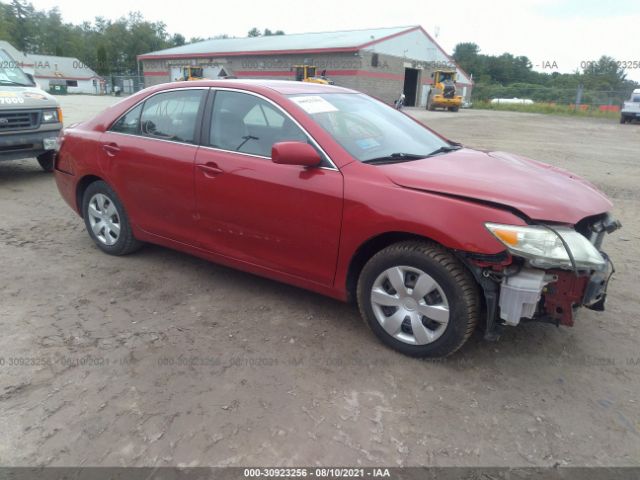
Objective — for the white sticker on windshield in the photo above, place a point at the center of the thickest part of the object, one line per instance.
(314, 104)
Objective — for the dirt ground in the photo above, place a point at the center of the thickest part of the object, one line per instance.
(160, 358)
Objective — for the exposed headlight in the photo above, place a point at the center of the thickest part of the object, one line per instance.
(544, 249)
(52, 116)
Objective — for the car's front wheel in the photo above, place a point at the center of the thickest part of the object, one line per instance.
(419, 299)
(107, 221)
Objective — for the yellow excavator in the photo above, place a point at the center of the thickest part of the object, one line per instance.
(443, 91)
(192, 73)
(307, 73)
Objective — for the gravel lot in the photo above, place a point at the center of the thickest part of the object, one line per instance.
(160, 358)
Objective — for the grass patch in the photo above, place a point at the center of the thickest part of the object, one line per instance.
(549, 109)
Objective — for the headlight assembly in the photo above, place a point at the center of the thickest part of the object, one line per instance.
(52, 116)
(544, 249)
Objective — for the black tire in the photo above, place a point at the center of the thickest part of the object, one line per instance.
(453, 109)
(623, 119)
(457, 283)
(430, 104)
(125, 243)
(46, 160)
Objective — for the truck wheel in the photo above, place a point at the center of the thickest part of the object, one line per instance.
(107, 221)
(623, 119)
(453, 109)
(429, 104)
(418, 299)
(46, 160)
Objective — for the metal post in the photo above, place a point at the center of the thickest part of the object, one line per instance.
(579, 96)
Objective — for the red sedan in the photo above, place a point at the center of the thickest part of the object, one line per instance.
(333, 191)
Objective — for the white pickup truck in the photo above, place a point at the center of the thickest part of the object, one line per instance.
(30, 119)
(631, 108)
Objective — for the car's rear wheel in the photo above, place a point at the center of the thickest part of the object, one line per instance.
(418, 299)
(107, 221)
(46, 160)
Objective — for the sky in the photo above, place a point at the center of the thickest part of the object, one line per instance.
(556, 35)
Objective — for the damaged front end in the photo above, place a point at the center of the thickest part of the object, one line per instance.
(546, 272)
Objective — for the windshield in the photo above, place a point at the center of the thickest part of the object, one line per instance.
(10, 74)
(367, 128)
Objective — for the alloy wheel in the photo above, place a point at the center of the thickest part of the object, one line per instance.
(104, 219)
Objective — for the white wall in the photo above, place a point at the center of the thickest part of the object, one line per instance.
(84, 86)
(415, 45)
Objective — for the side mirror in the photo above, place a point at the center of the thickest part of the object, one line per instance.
(295, 153)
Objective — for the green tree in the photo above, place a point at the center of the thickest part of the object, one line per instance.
(178, 40)
(606, 73)
(467, 55)
(102, 60)
(21, 29)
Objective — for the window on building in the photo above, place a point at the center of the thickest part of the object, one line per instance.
(72, 83)
(375, 60)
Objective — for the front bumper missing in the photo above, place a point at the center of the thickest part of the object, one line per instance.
(561, 299)
(559, 292)
(550, 296)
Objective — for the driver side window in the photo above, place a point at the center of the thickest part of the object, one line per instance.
(245, 123)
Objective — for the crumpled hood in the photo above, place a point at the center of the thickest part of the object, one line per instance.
(538, 190)
(25, 97)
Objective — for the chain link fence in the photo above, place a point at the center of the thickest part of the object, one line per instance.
(123, 84)
(596, 99)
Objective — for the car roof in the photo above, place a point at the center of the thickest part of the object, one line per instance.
(284, 87)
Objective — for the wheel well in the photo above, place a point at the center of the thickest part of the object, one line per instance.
(83, 184)
(368, 250)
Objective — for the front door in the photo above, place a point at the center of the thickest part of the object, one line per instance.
(282, 217)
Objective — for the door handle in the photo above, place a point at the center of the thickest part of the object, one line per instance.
(111, 149)
(210, 169)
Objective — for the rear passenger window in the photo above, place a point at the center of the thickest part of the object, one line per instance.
(129, 123)
(245, 123)
(172, 115)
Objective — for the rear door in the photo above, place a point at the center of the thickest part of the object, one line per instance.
(150, 154)
(285, 218)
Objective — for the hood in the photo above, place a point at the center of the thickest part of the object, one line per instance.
(25, 97)
(538, 190)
